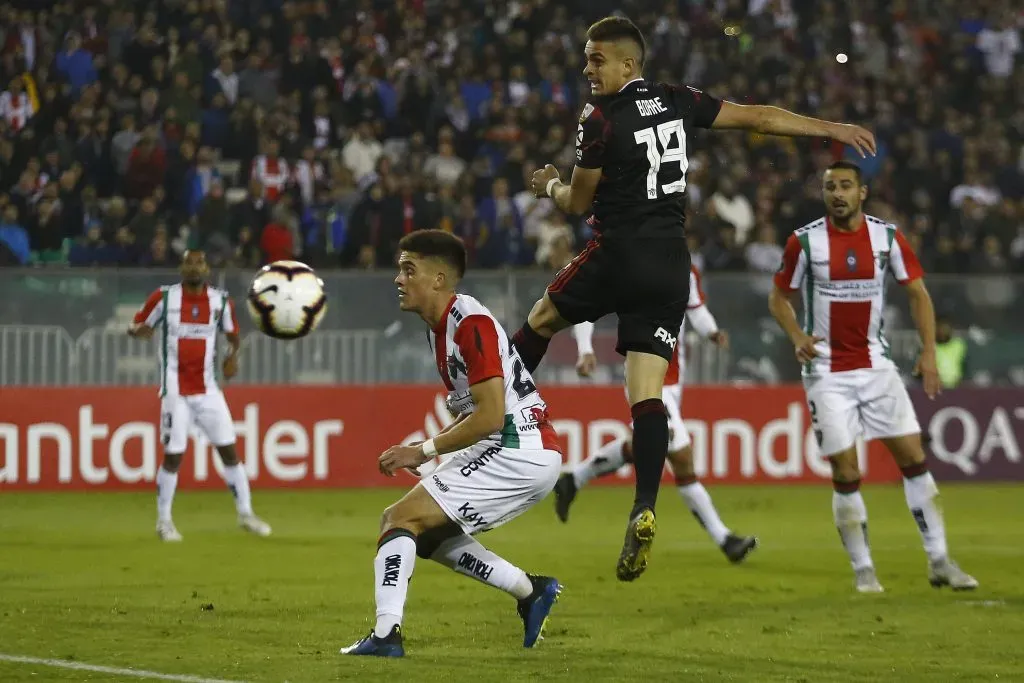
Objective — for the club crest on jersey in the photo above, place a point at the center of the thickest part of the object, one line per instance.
(195, 312)
(851, 260)
(587, 111)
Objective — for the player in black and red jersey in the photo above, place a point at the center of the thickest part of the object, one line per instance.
(631, 159)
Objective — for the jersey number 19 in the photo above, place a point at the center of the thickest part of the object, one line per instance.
(659, 152)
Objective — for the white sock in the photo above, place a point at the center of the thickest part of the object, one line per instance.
(851, 516)
(392, 569)
(238, 481)
(699, 502)
(166, 483)
(922, 495)
(466, 556)
(605, 460)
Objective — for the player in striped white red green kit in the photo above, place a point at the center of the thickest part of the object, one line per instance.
(838, 265)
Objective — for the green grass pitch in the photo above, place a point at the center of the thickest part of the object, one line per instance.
(83, 577)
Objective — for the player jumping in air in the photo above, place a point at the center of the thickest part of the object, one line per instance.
(187, 318)
(839, 264)
(615, 454)
(504, 454)
(631, 160)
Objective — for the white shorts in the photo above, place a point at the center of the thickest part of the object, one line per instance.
(207, 412)
(672, 397)
(486, 485)
(870, 403)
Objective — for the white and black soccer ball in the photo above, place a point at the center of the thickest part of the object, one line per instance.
(286, 300)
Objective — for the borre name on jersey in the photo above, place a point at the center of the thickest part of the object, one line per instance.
(638, 137)
(841, 276)
(470, 346)
(187, 327)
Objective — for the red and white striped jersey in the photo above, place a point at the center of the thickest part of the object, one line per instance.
(187, 327)
(273, 173)
(842, 279)
(677, 364)
(470, 346)
(16, 109)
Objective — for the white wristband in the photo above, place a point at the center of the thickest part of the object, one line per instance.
(551, 183)
(428, 448)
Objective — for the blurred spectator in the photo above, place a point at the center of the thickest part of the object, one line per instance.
(764, 255)
(14, 242)
(733, 208)
(950, 353)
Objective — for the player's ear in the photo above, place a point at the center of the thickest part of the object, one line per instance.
(863, 192)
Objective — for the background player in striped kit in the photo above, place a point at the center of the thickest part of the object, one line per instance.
(613, 455)
(189, 316)
(839, 263)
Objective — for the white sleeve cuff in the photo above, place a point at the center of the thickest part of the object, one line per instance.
(584, 335)
(702, 321)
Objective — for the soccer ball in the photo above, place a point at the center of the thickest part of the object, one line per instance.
(286, 300)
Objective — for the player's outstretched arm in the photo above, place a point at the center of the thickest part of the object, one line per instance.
(923, 312)
(776, 121)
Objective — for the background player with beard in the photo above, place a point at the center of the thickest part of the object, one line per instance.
(840, 263)
(189, 316)
(631, 164)
(504, 457)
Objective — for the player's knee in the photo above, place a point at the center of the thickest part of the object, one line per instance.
(399, 516)
(682, 466)
(544, 318)
(172, 461)
(228, 455)
(844, 466)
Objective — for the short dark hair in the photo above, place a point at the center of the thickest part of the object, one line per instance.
(845, 165)
(618, 28)
(438, 244)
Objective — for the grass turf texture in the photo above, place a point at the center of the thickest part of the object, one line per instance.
(83, 577)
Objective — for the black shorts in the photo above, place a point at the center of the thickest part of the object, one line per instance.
(645, 282)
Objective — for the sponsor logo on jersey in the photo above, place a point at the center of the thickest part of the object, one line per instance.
(534, 414)
(481, 461)
(443, 487)
(455, 366)
(470, 515)
(474, 566)
(196, 331)
(665, 336)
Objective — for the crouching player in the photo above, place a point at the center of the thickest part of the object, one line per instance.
(504, 453)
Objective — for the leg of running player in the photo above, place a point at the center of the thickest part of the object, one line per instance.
(922, 498)
(604, 461)
(645, 376)
(532, 339)
(238, 483)
(175, 418)
(166, 484)
(213, 417)
(698, 500)
(416, 524)
(851, 518)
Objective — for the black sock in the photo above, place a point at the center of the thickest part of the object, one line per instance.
(531, 346)
(650, 446)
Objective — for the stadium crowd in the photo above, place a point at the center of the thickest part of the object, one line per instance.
(327, 129)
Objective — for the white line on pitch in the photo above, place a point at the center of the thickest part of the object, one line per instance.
(113, 670)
